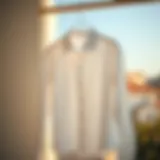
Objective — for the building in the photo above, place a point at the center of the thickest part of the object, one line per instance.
(142, 96)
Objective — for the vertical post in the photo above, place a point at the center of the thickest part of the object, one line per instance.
(47, 32)
(47, 25)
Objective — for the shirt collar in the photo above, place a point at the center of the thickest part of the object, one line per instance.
(88, 40)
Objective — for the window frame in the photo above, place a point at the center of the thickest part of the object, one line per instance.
(50, 8)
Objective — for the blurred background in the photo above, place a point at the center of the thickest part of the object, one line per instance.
(137, 29)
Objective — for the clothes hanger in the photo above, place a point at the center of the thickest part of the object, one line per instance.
(81, 22)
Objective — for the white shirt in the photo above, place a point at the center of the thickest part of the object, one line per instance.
(89, 114)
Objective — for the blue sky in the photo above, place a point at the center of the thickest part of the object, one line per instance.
(137, 28)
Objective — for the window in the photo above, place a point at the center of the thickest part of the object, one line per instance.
(136, 27)
(53, 11)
